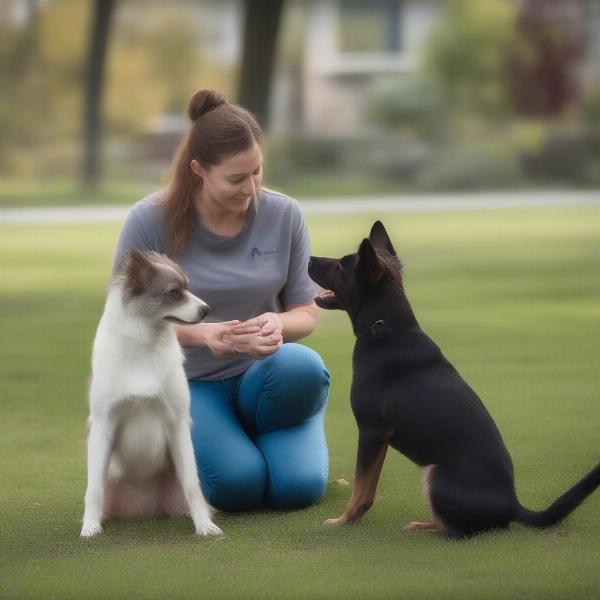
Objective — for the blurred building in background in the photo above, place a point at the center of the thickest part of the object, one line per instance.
(347, 44)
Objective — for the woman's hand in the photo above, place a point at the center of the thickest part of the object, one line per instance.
(270, 323)
(211, 335)
(258, 337)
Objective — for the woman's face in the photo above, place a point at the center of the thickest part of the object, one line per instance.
(233, 182)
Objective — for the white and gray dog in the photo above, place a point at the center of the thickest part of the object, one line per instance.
(140, 456)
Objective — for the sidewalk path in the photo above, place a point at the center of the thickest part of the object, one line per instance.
(350, 205)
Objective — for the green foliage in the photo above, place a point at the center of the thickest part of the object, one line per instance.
(590, 108)
(410, 102)
(156, 63)
(301, 154)
(569, 157)
(156, 59)
(468, 55)
(41, 70)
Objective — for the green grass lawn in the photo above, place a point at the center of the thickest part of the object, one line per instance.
(513, 299)
(21, 193)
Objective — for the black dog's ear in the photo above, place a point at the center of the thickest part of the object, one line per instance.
(380, 238)
(370, 266)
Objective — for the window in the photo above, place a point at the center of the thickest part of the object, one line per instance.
(369, 26)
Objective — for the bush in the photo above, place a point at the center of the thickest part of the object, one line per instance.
(590, 108)
(467, 55)
(406, 102)
(473, 167)
(389, 157)
(399, 158)
(566, 157)
(290, 155)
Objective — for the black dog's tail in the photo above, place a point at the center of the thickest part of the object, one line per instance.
(562, 507)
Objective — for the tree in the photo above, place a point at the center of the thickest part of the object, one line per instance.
(543, 79)
(261, 25)
(468, 54)
(94, 85)
(19, 52)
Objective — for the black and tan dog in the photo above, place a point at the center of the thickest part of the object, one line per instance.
(406, 394)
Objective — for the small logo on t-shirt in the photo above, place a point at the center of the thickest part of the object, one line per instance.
(258, 252)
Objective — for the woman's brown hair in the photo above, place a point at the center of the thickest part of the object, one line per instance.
(219, 130)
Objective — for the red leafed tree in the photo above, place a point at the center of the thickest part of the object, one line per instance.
(542, 67)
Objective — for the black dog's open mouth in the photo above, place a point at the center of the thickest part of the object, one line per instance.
(327, 299)
(317, 269)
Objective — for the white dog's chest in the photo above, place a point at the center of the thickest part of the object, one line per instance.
(137, 408)
(144, 377)
(132, 371)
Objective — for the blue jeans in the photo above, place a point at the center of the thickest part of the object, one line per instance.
(258, 437)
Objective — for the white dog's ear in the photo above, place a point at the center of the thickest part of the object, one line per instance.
(138, 272)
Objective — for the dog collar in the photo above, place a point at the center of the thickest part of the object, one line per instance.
(379, 330)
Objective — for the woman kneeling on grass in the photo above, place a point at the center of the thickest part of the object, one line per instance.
(257, 403)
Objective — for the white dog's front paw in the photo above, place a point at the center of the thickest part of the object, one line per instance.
(90, 530)
(208, 528)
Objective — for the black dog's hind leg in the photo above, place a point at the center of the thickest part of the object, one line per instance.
(464, 503)
(372, 448)
(435, 523)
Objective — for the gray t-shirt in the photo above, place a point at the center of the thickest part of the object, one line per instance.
(261, 269)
